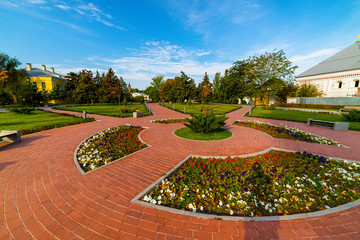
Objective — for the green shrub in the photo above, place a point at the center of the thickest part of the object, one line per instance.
(23, 110)
(352, 116)
(139, 99)
(205, 123)
(270, 107)
(124, 109)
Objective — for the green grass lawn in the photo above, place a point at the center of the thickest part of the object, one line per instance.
(36, 121)
(190, 134)
(108, 109)
(298, 116)
(197, 108)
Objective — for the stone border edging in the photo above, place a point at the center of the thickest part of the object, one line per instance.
(78, 146)
(137, 198)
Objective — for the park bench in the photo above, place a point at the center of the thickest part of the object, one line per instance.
(10, 136)
(339, 126)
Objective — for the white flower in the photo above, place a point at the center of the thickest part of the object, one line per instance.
(231, 212)
(220, 203)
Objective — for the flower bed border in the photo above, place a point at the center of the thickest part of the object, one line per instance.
(78, 146)
(137, 198)
(341, 145)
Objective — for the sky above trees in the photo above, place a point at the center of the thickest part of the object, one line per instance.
(141, 39)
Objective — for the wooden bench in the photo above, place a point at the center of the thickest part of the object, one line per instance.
(338, 126)
(10, 136)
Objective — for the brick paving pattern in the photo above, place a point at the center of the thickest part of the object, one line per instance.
(44, 196)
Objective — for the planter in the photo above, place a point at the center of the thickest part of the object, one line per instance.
(138, 114)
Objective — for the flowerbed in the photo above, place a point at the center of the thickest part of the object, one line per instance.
(276, 183)
(109, 145)
(286, 132)
(170, 120)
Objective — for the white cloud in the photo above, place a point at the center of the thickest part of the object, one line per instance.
(161, 57)
(320, 53)
(305, 62)
(37, 1)
(62, 6)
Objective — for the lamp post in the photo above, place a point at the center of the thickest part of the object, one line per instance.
(32, 100)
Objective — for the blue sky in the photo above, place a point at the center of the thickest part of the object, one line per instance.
(140, 39)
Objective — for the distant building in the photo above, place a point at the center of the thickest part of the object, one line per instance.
(136, 94)
(45, 80)
(338, 75)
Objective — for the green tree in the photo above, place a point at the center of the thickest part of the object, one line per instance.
(85, 89)
(5, 98)
(216, 86)
(184, 88)
(263, 71)
(236, 84)
(58, 94)
(154, 90)
(73, 79)
(28, 95)
(308, 90)
(109, 85)
(288, 90)
(11, 78)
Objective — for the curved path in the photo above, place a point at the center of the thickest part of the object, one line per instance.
(44, 196)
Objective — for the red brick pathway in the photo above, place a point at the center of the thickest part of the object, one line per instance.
(43, 195)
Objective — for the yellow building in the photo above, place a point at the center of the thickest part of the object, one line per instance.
(45, 80)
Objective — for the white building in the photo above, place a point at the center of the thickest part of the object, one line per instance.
(136, 94)
(337, 76)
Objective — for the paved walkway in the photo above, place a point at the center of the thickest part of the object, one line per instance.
(43, 195)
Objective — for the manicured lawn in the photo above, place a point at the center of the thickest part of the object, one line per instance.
(197, 108)
(189, 134)
(298, 116)
(275, 183)
(109, 109)
(36, 121)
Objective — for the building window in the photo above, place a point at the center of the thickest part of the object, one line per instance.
(43, 85)
(340, 84)
(357, 83)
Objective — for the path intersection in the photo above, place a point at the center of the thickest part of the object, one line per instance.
(44, 196)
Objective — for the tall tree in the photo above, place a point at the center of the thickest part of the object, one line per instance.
(85, 88)
(236, 83)
(154, 90)
(165, 90)
(263, 71)
(11, 79)
(109, 83)
(184, 88)
(205, 89)
(216, 86)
